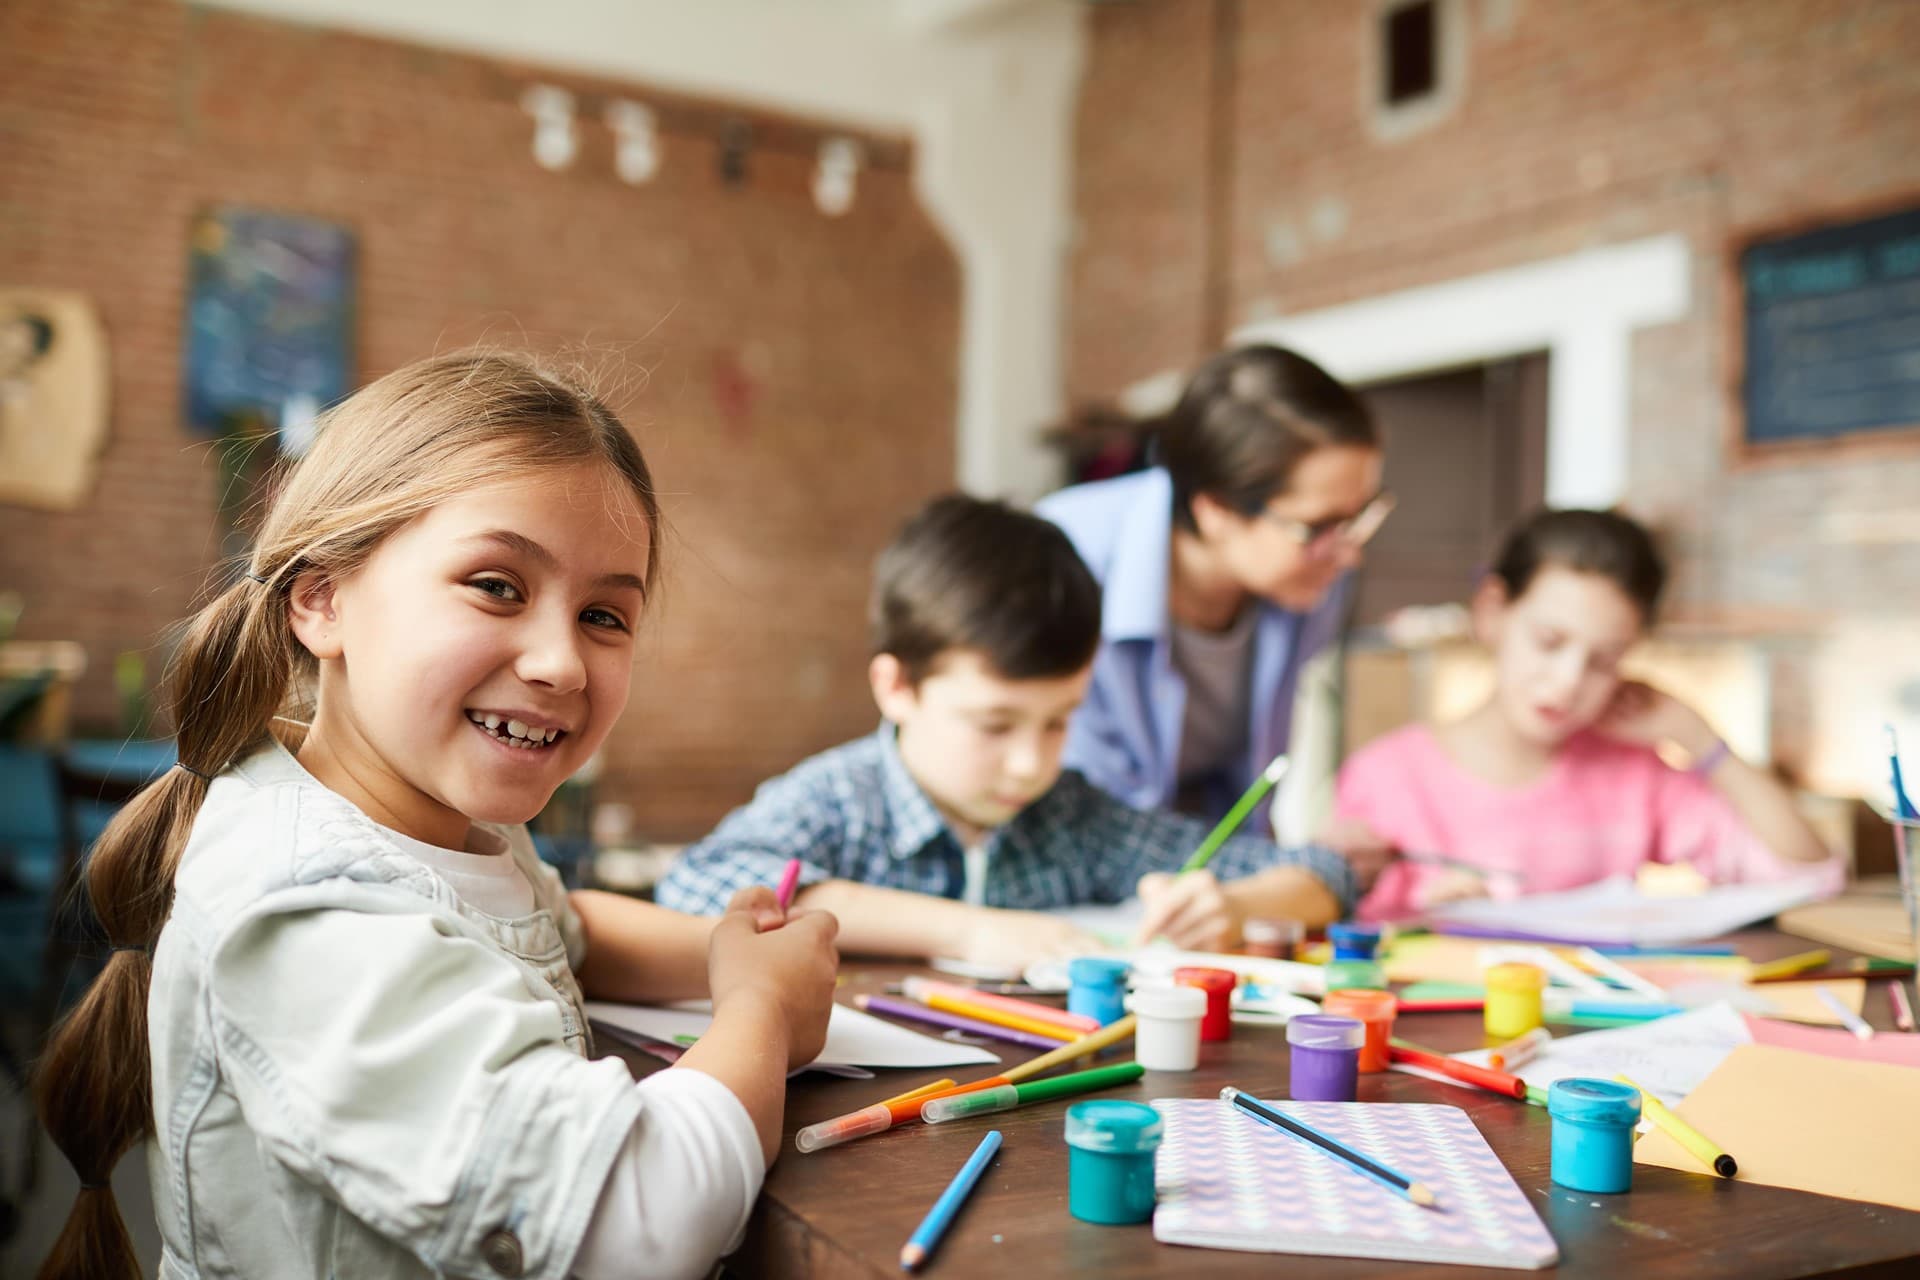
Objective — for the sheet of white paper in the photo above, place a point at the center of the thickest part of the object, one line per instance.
(1668, 1056)
(1613, 911)
(854, 1038)
(1114, 923)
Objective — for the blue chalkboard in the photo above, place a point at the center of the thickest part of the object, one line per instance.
(1833, 330)
(269, 317)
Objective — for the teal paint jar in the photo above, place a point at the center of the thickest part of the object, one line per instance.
(1593, 1123)
(1110, 1160)
(1099, 989)
(1355, 975)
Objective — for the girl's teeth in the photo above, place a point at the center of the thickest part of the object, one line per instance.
(515, 733)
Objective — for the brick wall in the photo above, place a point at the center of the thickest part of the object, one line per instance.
(1581, 123)
(792, 376)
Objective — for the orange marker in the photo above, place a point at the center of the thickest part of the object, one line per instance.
(1465, 1072)
(879, 1117)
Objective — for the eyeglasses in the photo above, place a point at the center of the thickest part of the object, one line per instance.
(1355, 530)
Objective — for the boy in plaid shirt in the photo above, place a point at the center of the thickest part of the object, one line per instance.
(952, 830)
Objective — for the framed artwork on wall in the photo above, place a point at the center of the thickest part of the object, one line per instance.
(269, 325)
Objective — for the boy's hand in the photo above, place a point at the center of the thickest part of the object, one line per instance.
(1012, 940)
(787, 972)
(1642, 714)
(1365, 850)
(1191, 909)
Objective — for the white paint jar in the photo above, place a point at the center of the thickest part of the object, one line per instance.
(1167, 1035)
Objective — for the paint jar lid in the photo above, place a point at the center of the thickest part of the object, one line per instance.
(1364, 1004)
(1207, 979)
(1109, 1125)
(1354, 937)
(1168, 1002)
(1593, 1101)
(1515, 977)
(1097, 971)
(1261, 931)
(1324, 1031)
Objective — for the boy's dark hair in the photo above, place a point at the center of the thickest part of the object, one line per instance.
(1615, 547)
(1244, 422)
(969, 574)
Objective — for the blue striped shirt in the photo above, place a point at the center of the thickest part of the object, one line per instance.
(855, 813)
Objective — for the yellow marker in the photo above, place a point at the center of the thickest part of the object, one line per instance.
(921, 1092)
(1790, 965)
(1683, 1133)
(1112, 1033)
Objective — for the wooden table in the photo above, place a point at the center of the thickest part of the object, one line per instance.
(846, 1211)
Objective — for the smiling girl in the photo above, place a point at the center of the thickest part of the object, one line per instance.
(344, 995)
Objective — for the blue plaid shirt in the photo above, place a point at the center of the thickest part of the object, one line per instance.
(855, 813)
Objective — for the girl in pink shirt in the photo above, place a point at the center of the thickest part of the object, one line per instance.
(1554, 781)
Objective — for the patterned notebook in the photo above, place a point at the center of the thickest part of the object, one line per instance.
(1228, 1181)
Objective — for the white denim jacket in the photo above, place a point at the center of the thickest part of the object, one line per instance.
(356, 1075)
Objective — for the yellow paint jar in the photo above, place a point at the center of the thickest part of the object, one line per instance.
(1513, 999)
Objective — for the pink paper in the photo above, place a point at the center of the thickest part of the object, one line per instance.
(1896, 1048)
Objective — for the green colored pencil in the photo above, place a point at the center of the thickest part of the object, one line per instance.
(1266, 782)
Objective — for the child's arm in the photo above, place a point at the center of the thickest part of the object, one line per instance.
(894, 922)
(772, 991)
(638, 952)
(686, 1180)
(1643, 714)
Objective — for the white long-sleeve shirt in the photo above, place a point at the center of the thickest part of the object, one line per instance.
(679, 1193)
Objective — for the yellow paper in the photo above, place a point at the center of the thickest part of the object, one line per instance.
(1796, 1001)
(1433, 957)
(1812, 1123)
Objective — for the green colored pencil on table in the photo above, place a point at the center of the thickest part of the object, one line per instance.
(1268, 779)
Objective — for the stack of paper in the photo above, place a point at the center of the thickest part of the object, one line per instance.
(1615, 912)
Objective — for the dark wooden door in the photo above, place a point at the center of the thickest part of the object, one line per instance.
(1466, 454)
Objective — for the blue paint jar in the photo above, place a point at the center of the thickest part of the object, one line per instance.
(1354, 941)
(1110, 1146)
(1593, 1123)
(1099, 989)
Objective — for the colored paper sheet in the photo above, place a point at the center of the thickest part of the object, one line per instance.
(1895, 1048)
(1808, 1122)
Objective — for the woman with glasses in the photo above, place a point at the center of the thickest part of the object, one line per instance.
(1224, 571)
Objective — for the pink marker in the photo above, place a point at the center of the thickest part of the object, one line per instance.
(1902, 1011)
(788, 880)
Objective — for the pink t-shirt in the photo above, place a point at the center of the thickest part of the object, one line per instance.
(1602, 808)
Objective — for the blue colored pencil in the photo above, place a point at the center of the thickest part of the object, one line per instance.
(941, 1216)
(1390, 1178)
(1901, 805)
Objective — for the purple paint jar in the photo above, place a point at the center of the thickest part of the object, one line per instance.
(1325, 1057)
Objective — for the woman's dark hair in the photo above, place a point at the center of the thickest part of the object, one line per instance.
(1244, 422)
(1602, 542)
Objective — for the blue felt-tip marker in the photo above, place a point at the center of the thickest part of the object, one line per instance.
(925, 1236)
